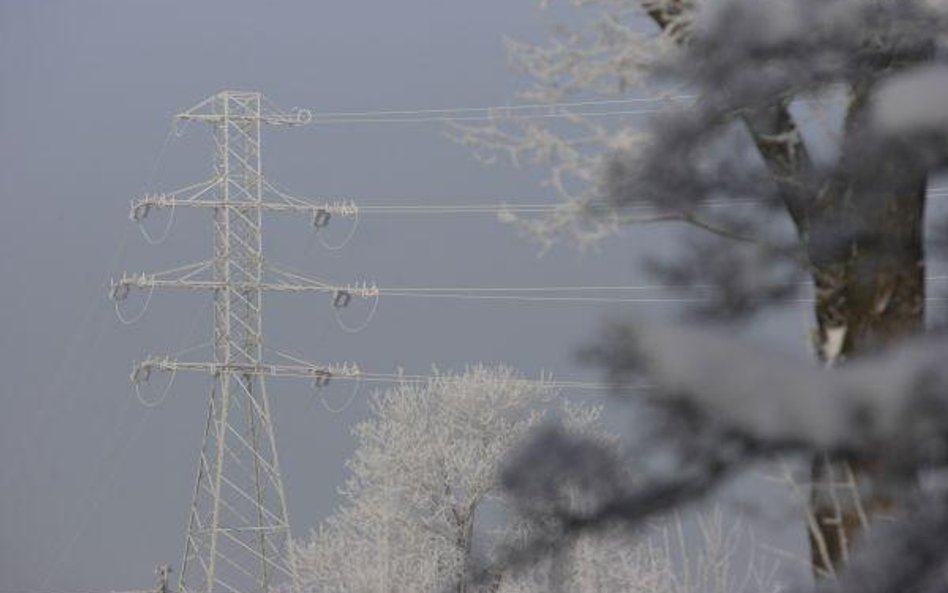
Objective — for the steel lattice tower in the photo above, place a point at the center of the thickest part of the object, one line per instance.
(250, 529)
(238, 529)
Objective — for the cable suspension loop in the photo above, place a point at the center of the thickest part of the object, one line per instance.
(339, 246)
(118, 313)
(164, 234)
(345, 327)
(349, 401)
(161, 398)
(137, 378)
(322, 213)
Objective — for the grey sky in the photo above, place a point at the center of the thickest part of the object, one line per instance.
(96, 488)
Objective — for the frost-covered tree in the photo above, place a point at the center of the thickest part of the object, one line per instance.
(804, 159)
(425, 467)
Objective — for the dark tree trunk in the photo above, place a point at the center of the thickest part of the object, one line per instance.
(464, 540)
(866, 248)
(862, 234)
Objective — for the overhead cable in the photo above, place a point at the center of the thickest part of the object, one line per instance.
(496, 109)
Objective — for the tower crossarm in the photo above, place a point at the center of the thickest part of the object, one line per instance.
(122, 286)
(202, 195)
(189, 277)
(142, 206)
(141, 372)
(190, 195)
(186, 274)
(297, 279)
(266, 112)
(333, 206)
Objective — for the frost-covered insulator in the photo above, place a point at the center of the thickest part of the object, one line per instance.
(321, 379)
(321, 218)
(341, 299)
(118, 291)
(139, 212)
(303, 116)
(141, 374)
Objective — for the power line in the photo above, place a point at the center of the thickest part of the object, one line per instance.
(540, 206)
(526, 207)
(543, 299)
(320, 116)
(395, 378)
(593, 300)
(553, 109)
(285, 279)
(109, 591)
(314, 284)
(321, 210)
(351, 372)
(484, 117)
(576, 288)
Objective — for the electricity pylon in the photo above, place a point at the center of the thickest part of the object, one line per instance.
(238, 529)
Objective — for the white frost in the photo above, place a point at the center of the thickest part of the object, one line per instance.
(833, 344)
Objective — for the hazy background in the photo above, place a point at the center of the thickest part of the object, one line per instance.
(94, 488)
